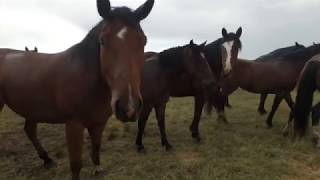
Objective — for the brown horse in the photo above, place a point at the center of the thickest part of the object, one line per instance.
(34, 50)
(308, 84)
(275, 77)
(160, 73)
(81, 86)
(274, 56)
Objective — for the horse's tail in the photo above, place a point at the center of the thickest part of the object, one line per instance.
(306, 87)
(215, 100)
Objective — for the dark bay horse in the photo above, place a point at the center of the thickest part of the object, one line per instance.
(274, 55)
(160, 73)
(34, 50)
(219, 54)
(275, 77)
(308, 84)
(81, 86)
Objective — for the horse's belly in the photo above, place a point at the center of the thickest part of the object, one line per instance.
(38, 112)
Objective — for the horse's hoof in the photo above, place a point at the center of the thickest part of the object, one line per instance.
(285, 133)
(191, 128)
(98, 171)
(197, 140)
(262, 111)
(196, 137)
(229, 106)
(223, 121)
(168, 147)
(141, 149)
(50, 164)
(269, 125)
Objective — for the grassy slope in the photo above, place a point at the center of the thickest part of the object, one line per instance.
(245, 149)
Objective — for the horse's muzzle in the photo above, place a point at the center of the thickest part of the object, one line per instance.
(126, 113)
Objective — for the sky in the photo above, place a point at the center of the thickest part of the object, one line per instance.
(55, 25)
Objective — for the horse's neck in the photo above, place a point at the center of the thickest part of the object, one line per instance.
(172, 66)
(86, 55)
(240, 64)
(240, 69)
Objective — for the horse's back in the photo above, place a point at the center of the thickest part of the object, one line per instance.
(43, 86)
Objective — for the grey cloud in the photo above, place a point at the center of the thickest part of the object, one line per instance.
(267, 24)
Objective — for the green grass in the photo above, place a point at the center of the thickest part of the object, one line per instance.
(245, 149)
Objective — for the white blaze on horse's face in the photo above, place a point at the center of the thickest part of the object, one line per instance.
(228, 46)
(202, 55)
(122, 33)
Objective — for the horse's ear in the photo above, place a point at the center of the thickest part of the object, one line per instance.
(203, 44)
(144, 10)
(239, 32)
(35, 49)
(103, 8)
(297, 44)
(26, 48)
(191, 44)
(224, 32)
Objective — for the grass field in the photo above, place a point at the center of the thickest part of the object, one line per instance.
(243, 150)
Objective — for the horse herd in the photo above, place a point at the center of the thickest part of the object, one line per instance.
(109, 72)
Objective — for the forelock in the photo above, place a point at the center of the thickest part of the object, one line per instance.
(124, 14)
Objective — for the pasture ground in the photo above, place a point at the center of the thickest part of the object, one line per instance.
(243, 150)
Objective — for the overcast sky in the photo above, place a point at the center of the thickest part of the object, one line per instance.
(54, 25)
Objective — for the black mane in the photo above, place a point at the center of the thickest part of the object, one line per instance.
(213, 55)
(282, 52)
(172, 59)
(303, 55)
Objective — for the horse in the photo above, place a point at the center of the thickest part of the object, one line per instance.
(218, 54)
(159, 75)
(309, 82)
(27, 49)
(81, 86)
(270, 57)
(275, 77)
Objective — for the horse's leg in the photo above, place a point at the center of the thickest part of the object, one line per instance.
(315, 116)
(160, 114)
(220, 110)
(290, 103)
(30, 128)
(277, 100)
(261, 108)
(227, 103)
(141, 126)
(74, 136)
(198, 106)
(96, 136)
